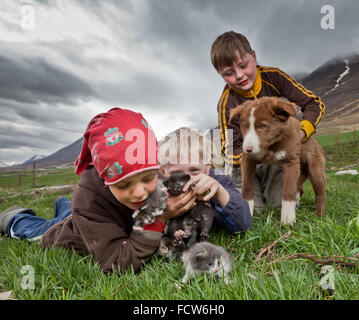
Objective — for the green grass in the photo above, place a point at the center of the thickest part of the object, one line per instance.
(342, 138)
(11, 181)
(62, 274)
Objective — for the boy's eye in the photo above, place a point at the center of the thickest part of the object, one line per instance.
(227, 73)
(148, 179)
(124, 186)
(244, 65)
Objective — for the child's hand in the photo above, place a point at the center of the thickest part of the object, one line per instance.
(206, 186)
(177, 205)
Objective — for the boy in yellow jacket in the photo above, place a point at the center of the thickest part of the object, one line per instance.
(236, 62)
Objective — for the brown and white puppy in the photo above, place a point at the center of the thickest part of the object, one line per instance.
(271, 135)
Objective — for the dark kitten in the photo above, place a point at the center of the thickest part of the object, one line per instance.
(176, 182)
(186, 230)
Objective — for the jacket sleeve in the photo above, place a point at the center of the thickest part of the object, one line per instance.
(231, 141)
(235, 216)
(311, 105)
(111, 246)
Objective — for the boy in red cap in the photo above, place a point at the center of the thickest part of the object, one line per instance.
(119, 169)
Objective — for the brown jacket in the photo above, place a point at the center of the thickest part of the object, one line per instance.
(101, 226)
(269, 82)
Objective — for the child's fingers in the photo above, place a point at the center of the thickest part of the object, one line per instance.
(205, 187)
(189, 183)
(210, 194)
(189, 205)
(189, 196)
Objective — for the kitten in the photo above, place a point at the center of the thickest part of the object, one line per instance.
(155, 205)
(176, 182)
(207, 258)
(186, 230)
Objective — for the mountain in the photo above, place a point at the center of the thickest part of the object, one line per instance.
(4, 164)
(337, 83)
(299, 76)
(32, 159)
(64, 157)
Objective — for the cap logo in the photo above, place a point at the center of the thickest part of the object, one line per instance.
(113, 136)
(114, 170)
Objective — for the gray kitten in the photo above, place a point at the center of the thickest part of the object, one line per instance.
(207, 258)
(155, 205)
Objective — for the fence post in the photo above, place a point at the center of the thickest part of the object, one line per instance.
(33, 173)
(19, 179)
(337, 138)
(354, 136)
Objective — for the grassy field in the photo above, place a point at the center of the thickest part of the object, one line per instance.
(277, 274)
(342, 138)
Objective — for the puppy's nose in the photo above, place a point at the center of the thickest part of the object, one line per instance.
(248, 149)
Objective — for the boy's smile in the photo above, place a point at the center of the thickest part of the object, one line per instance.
(242, 74)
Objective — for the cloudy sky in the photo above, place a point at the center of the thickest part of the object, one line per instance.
(62, 62)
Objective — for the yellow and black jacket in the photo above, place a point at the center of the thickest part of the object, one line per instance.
(269, 82)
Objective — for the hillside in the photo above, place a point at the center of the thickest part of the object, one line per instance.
(64, 157)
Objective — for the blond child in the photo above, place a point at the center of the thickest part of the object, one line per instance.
(188, 151)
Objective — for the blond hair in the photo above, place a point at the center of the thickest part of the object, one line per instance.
(185, 146)
(226, 47)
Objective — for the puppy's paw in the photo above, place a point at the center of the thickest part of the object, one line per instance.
(204, 236)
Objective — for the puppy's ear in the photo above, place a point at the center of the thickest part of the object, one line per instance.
(235, 114)
(283, 109)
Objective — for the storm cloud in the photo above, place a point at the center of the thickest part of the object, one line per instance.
(83, 57)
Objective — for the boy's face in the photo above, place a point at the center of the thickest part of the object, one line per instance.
(242, 74)
(133, 191)
(190, 169)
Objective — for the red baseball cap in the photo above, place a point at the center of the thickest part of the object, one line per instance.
(119, 143)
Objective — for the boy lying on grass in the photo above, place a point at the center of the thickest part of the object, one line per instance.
(119, 169)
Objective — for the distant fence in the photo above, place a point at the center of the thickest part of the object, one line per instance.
(338, 137)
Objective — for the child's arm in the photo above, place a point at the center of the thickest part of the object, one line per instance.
(112, 244)
(235, 216)
(231, 147)
(177, 205)
(311, 105)
(232, 212)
